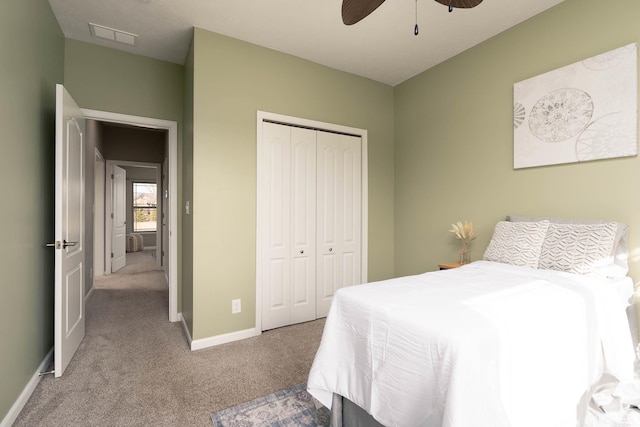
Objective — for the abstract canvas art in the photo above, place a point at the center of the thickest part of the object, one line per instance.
(584, 111)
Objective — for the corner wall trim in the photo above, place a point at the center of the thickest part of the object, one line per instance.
(15, 410)
(223, 339)
(186, 328)
(89, 294)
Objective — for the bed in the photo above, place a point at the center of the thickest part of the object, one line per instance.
(517, 339)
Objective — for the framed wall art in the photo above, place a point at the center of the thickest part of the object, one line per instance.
(584, 111)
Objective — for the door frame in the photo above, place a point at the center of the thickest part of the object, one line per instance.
(99, 215)
(109, 206)
(263, 116)
(172, 129)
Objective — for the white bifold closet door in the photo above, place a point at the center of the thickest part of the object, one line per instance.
(289, 263)
(339, 216)
(312, 214)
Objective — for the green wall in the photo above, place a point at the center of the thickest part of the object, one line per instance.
(187, 193)
(454, 139)
(106, 79)
(31, 63)
(232, 80)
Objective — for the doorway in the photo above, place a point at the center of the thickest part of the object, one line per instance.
(150, 232)
(170, 196)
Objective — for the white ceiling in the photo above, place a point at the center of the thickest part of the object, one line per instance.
(381, 47)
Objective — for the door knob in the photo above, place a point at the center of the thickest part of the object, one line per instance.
(56, 245)
(330, 249)
(301, 252)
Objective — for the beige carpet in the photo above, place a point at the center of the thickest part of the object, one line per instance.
(141, 272)
(134, 367)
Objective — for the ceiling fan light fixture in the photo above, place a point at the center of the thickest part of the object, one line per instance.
(354, 11)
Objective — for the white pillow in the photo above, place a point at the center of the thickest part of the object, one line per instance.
(619, 266)
(579, 248)
(517, 243)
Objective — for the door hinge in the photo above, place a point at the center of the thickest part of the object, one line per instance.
(111, 176)
(111, 254)
(111, 215)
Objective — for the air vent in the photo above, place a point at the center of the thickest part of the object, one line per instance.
(112, 34)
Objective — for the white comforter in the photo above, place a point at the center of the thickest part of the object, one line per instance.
(486, 344)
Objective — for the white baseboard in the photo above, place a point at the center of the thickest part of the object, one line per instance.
(89, 294)
(222, 339)
(215, 340)
(15, 410)
(186, 328)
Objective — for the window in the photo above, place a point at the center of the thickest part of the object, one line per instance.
(145, 207)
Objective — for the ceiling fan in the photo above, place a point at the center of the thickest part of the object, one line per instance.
(356, 10)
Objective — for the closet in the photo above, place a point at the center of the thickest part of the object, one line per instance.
(310, 233)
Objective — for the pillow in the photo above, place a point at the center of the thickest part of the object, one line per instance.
(579, 248)
(134, 243)
(517, 243)
(618, 266)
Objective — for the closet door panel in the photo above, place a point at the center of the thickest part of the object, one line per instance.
(339, 215)
(326, 284)
(279, 282)
(276, 251)
(351, 203)
(303, 216)
(329, 220)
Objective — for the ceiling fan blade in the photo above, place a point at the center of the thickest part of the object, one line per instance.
(355, 10)
(462, 4)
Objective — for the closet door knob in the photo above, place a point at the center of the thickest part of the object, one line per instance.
(301, 252)
(330, 249)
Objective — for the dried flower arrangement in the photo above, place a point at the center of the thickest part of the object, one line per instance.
(464, 232)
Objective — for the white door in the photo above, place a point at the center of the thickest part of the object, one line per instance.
(99, 220)
(164, 198)
(288, 251)
(303, 225)
(119, 218)
(339, 187)
(69, 322)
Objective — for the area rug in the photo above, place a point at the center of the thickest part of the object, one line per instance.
(290, 407)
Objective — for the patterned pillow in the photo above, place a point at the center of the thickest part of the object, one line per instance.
(517, 243)
(578, 248)
(619, 266)
(134, 243)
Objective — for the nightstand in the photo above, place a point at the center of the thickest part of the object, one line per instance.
(449, 265)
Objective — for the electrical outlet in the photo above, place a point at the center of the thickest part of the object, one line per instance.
(236, 306)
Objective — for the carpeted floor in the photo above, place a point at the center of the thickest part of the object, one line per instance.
(141, 272)
(134, 367)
